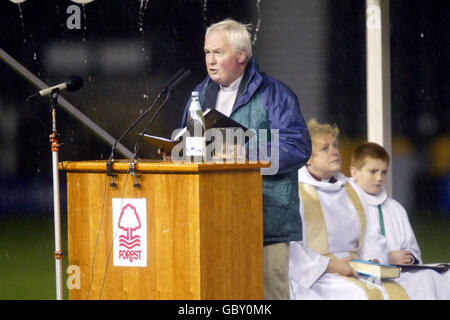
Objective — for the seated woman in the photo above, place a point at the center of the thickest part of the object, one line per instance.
(336, 229)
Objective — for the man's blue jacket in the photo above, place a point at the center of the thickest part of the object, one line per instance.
(263, 102)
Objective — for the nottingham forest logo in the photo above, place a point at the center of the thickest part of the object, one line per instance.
(129, 221)
(130, 232)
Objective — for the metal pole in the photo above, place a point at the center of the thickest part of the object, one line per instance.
(65, 104)
(378, 78)
(56, 201)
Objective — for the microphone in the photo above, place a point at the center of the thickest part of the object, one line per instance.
(172, 87)
(172, 79)
(73, 83)
(183, 77)
(165, 88)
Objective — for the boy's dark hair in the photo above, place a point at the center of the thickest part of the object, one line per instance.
(368, 150)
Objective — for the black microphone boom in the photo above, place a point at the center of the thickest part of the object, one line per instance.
(73, 83)
(183, 77)
(171, 80)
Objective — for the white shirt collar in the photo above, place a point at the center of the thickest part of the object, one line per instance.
(376, 199)
(233, 86)
(305, 177)
(373, 199)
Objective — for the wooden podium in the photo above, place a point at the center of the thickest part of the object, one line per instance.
(204, 230)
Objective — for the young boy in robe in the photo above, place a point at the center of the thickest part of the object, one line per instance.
(369, 167)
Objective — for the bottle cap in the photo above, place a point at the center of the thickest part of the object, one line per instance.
(195, 93)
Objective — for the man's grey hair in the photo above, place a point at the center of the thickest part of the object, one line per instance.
(238, 34)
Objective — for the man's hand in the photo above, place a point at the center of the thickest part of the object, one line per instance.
(400, 257)
(342, 267)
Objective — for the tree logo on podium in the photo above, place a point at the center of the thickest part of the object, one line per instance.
(129, 221)
(129, 232)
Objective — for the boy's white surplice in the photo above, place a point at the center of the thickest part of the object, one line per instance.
(398, 232)
(399, 235)
(307, 267)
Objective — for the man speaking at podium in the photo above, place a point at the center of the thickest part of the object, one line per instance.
(236, 88)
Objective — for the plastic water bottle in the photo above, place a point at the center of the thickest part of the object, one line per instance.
(195, 125)
(195, 118)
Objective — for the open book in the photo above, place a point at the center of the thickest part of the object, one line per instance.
(213, 119)
(439, 267)
(374, 269)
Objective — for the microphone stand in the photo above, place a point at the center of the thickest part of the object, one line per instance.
(170, 88)
(166, 88)
(136, 146)
(179, 77)
(58, 254)
(109, 171)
